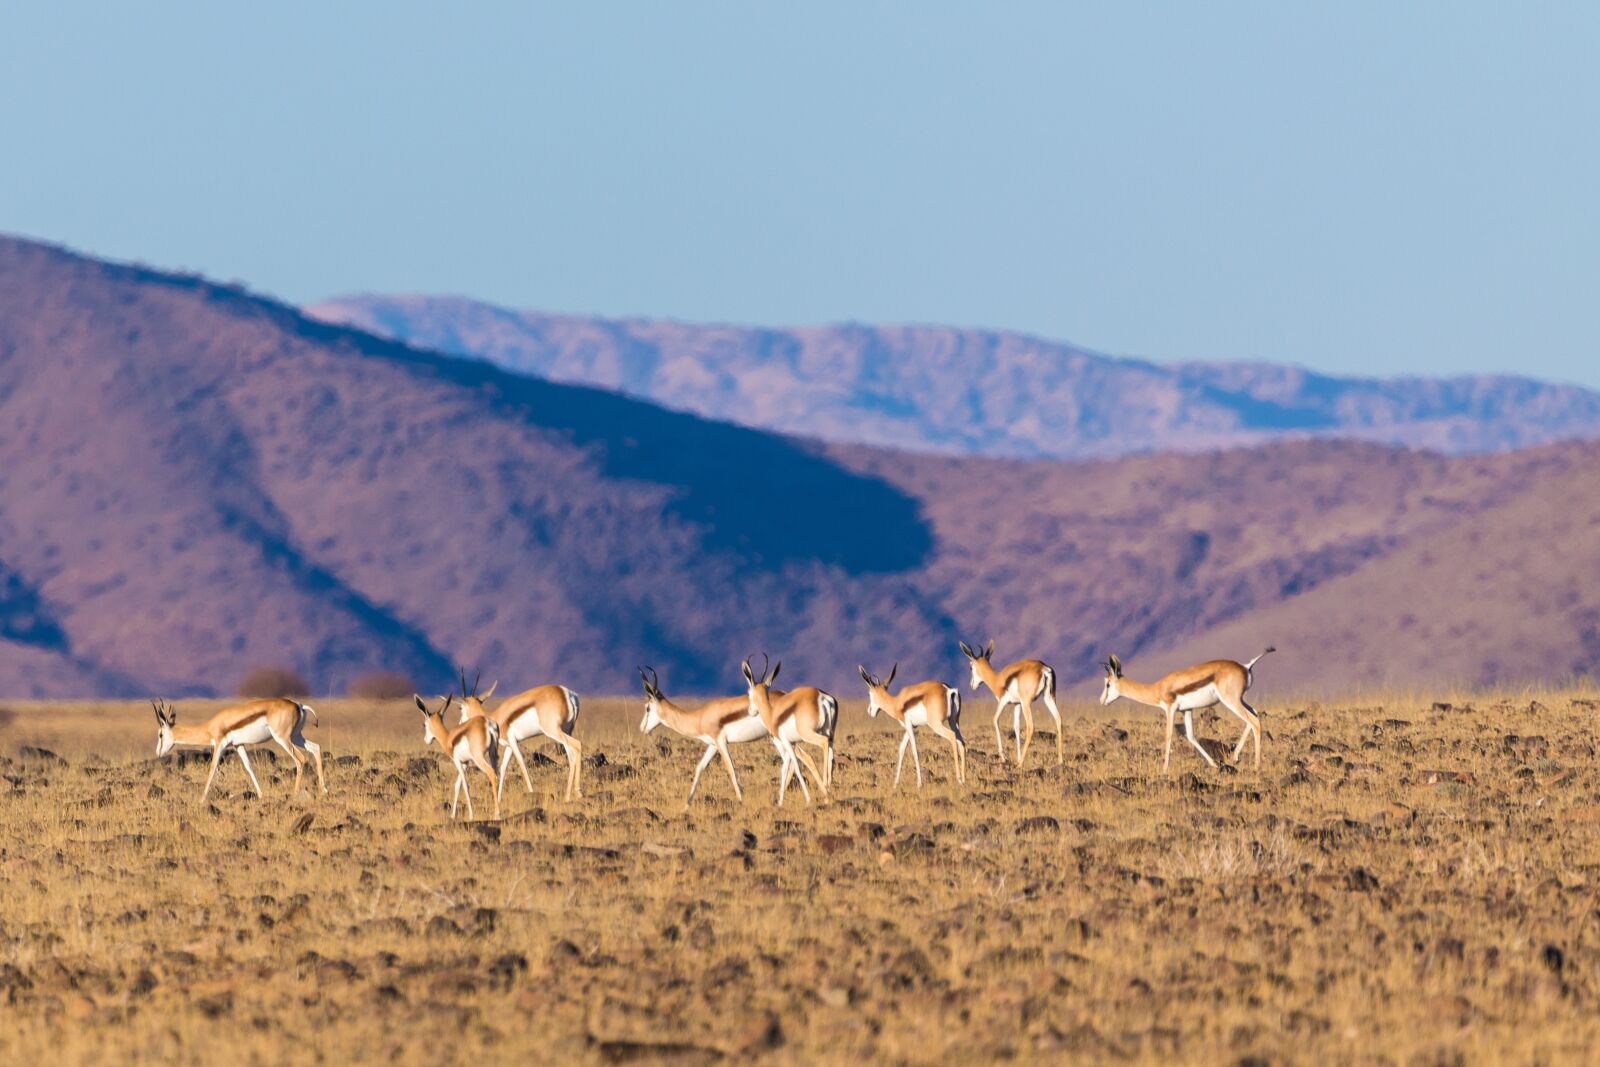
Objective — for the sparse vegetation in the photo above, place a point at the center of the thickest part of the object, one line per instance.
(382, 685)
(1401, 883)
(272, 682)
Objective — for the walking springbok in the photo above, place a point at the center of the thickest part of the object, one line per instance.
(804, 714)
(476, 741)
(932, 704)
(1220, 681)
(254, 723)
(1018, 683)
(718, 724)
(543, 711)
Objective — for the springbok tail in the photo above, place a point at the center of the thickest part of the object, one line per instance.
(952, 702)
(307, 709)
(830, 715)
(1050, 681)
(1263, 652)
(572, 708)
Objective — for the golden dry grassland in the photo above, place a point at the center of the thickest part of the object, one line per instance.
(1400, 883)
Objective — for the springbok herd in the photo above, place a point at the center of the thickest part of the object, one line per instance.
(489, 739)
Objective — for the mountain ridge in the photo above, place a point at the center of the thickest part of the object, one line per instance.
(973, 391)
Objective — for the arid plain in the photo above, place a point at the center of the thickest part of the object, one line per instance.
(1407, 879)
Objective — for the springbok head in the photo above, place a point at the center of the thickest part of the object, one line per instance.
(166, 719)
(652, 700)
(471, 701)
(760, 685)
(877, 690)
(1113, 667)
(977, 656)
(433, 727)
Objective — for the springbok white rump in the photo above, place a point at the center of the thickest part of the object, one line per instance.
(1018, 683)
(475, 741)
(255, 723)
(543, 711)
(1219, 681)
(932, 704)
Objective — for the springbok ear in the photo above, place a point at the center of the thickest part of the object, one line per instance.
(865, 677)
(1116, 666)
(967, 652)
(749, 675)
(988, 652)
(492, 688)
(892, 671)
(776, 667)
(420, 705)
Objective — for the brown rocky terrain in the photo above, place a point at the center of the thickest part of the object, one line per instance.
(195, 481)
(1399, 883)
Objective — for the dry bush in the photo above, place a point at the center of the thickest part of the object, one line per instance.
(272, 682)
(381, 685)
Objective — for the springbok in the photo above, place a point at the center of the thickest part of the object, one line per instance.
(543, 711)
(233, 728)
(1018, 683)
(477, 741)
(718, 724)
(805, 714)
(1220, 681)
(932, 704)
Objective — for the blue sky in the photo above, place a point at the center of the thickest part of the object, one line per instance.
(1363, 188)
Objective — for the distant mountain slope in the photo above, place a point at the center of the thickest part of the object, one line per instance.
(977, 392)
(195, 481)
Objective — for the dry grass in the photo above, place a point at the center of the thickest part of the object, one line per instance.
(1400, 884)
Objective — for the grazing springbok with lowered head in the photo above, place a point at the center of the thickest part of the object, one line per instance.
(255, 723)
(1219, 681)
(805, 714)
(475, 741)
(1018, 683)
(932, 704)
(543, 711)
(718, 724)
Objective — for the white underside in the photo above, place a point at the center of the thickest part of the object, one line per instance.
(255, 733)
(745, 728)
(1200, 698)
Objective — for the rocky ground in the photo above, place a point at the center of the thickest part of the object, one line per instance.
(1404, 883)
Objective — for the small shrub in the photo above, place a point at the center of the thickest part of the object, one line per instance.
(273, 682)
(381, 685)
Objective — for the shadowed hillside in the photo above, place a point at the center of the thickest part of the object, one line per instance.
(975, 391)
(195, 481)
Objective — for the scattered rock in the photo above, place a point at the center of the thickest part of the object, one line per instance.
(302, 823)
(440, 926)
(1036, 824)
(506, 969)
(1360, 880)
(1553, 958)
